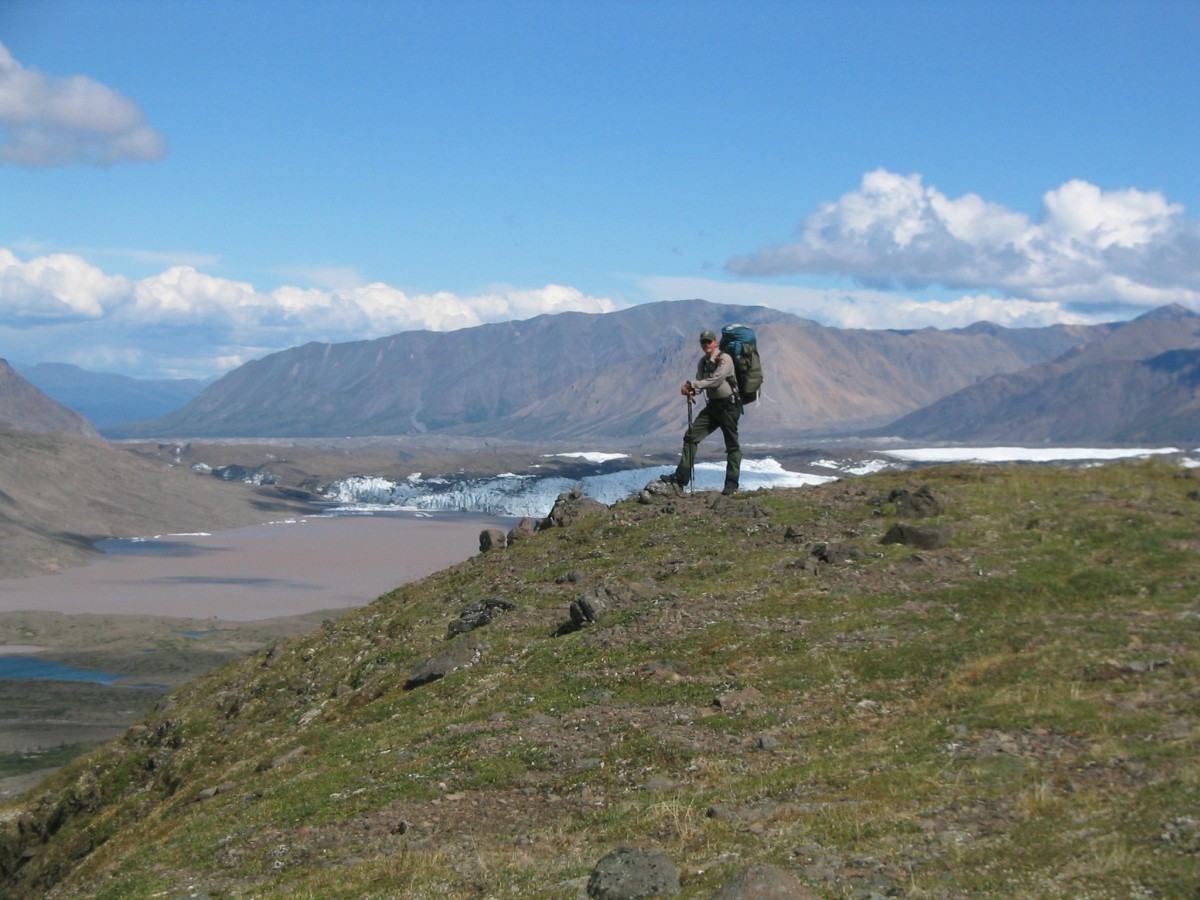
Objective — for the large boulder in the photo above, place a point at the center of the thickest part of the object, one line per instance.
(925, 538)
(917, 504)
(459, 655)
(630, 874)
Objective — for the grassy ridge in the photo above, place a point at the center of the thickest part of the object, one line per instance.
(1013, 715)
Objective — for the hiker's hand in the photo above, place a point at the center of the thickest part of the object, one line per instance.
(687, 390)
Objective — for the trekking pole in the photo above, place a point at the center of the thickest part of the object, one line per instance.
(691, 399)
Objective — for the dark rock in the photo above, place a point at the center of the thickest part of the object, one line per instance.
(630, 874)
(658, 490)
(764, 882)
(584, 610)
(918, 504)
(588, 607)
(522, 529)
(838, 554)
(739, 699)
(927, 538)
(458, 655)
(478, 614)
(492, 539)
(569, 506)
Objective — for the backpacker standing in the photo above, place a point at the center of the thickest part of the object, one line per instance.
(723, 408)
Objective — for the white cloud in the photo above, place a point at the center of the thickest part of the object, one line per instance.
(47, 121)
(184, 322)
(870, 308)
(58, 287)
(1089, 248)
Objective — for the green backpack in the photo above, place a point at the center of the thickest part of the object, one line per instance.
(740, 342)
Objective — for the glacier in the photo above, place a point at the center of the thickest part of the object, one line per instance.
(533, 495)
(518, 496)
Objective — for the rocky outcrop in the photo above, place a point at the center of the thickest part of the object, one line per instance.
(570, 506)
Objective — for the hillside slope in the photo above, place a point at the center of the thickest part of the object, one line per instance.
(1005, 708)
(25, 407)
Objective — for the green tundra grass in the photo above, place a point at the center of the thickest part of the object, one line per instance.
(1014, 714)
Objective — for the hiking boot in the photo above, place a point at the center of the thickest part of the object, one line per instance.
(729, 491)
(670, 478)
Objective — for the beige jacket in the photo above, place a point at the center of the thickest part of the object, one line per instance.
(714, 377)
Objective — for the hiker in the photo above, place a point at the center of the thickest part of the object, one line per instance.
(714, 376)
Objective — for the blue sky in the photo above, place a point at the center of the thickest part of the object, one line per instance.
(185, 186)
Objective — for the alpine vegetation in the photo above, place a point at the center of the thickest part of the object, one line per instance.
(956, 681)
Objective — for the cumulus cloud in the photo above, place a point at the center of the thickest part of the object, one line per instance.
(59, 287)
(867, 308)
(1088, 248)
(185, 322)
(47, 121)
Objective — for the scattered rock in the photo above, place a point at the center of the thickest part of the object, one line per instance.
(918, 504)
(458, 655)
(838, 554)
(209, 793)
(492, 539)
(927, 538)
(1115, 669)
(569, 506)
(522, 529)
(662, 783)
(478, 614)
(739, 699)
(658, 490)
(630, 874)
(764, 882)
(587, 608)
(284, 758)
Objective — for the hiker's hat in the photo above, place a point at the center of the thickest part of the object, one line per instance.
(706, 336)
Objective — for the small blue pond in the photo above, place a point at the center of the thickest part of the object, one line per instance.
(31, 668)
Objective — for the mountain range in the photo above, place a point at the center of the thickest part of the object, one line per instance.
(1139, 383)
(106, 399)
(614, 378)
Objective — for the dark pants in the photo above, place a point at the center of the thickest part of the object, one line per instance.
(723, 414)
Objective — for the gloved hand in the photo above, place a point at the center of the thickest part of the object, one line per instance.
(687, 390)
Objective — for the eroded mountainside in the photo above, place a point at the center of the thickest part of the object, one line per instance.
(573, 377)
(957, 681)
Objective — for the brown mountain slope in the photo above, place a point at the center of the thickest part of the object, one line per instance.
(61, 492)
(574, 376)
(24, 407)
(1140, 383)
